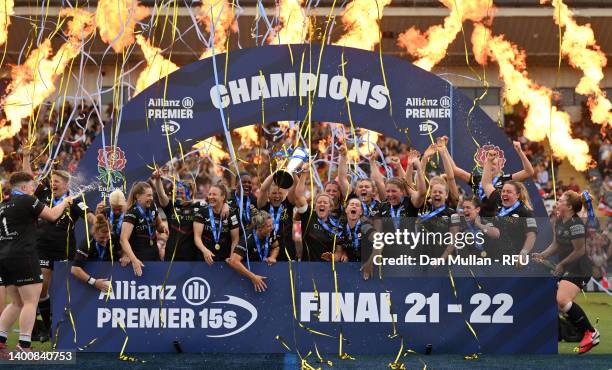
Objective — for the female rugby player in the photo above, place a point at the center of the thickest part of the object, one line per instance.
(574, 268)
(97, 248)
(214, 235)
(138, 237)
(259, 246)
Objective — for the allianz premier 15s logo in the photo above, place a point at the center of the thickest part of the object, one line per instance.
(222, 318)
(428, 110)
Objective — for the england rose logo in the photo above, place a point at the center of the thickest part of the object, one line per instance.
(111, 161)
(482, 151)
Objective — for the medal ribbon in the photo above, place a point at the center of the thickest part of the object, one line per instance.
(258, 244)
(276, 217)
(504, 211)
(213, 225)
(149, 219)
(354, 234)
(431, 214)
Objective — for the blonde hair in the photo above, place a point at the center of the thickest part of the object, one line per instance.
(100, 225)
(137, 189)
(62, 174)
(117, 198)
(259, 219)
(438, 180)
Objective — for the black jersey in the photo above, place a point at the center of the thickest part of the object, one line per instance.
(565, 233)
(18, 227)
(249, 248)
(282, 220)
(355, 238)
(55, 239)
(401, 216)
(479, 246)
(249, 207)
(372, 209)
(513, 227)
(222, 247)
(488, 207)
(92, 251)
(180, 242)
(143, 239)
(318, 236)
(435, 225)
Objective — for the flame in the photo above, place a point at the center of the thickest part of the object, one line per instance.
(582, 51)
(430, 47)
(537, 99)
(6, 11)
(217, 14)
(294, 23)
(34, 80)
(116, 20)
(212, 148)
(360, 20)
(157, 67)
(248, 136)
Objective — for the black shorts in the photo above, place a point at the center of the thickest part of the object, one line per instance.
(48, 256)
(579, 281)
(20, 271)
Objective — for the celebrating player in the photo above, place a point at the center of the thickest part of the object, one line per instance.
(138, 237)
(259, 246)
(574, 268)
(216, 236)
(20, 271)
(97, 248)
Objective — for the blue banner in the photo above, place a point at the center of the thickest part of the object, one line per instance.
(214, 309)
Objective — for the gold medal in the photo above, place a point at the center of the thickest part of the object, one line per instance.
(217, 247)
(483, 254)
(151, 242)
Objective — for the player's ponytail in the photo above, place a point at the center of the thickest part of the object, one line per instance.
(259, 219)
(100, 225)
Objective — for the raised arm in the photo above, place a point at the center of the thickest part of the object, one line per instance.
(264, 189)
(459, 173)
(25, 150)
(448, 170)
(159, 189)
(487, 173)
(345, 186)
(417, 197)
(527, 170)
(376, 176)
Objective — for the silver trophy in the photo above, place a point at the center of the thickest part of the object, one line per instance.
(284, 178)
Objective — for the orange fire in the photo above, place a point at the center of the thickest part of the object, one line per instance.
(294, 23)
(212, 148)
(7, 9)
(582, 51)
(537, 99)
(157, 67)
(34, 80)
(116, 20)
(430, 47)
(360, 19)
(217, 15)
(248, 136)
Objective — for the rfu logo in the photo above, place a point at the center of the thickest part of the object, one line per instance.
(196, 291)
(427, 127)
(170, 127)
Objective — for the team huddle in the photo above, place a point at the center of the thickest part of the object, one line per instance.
(281, 222)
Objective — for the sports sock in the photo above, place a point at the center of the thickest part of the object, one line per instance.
(578, 317)
(44, 306)
(25, 340)
(3, 336)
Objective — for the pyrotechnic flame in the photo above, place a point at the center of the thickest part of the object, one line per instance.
(294, 24)
(212, 148)
(537, 99)
(217, 14)
(34, 80)
(581, 49)
(248, 136)
(7, 9)
(80, 26)
(430, 47)
(360, 19)
(157, 67)
(116, 20)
